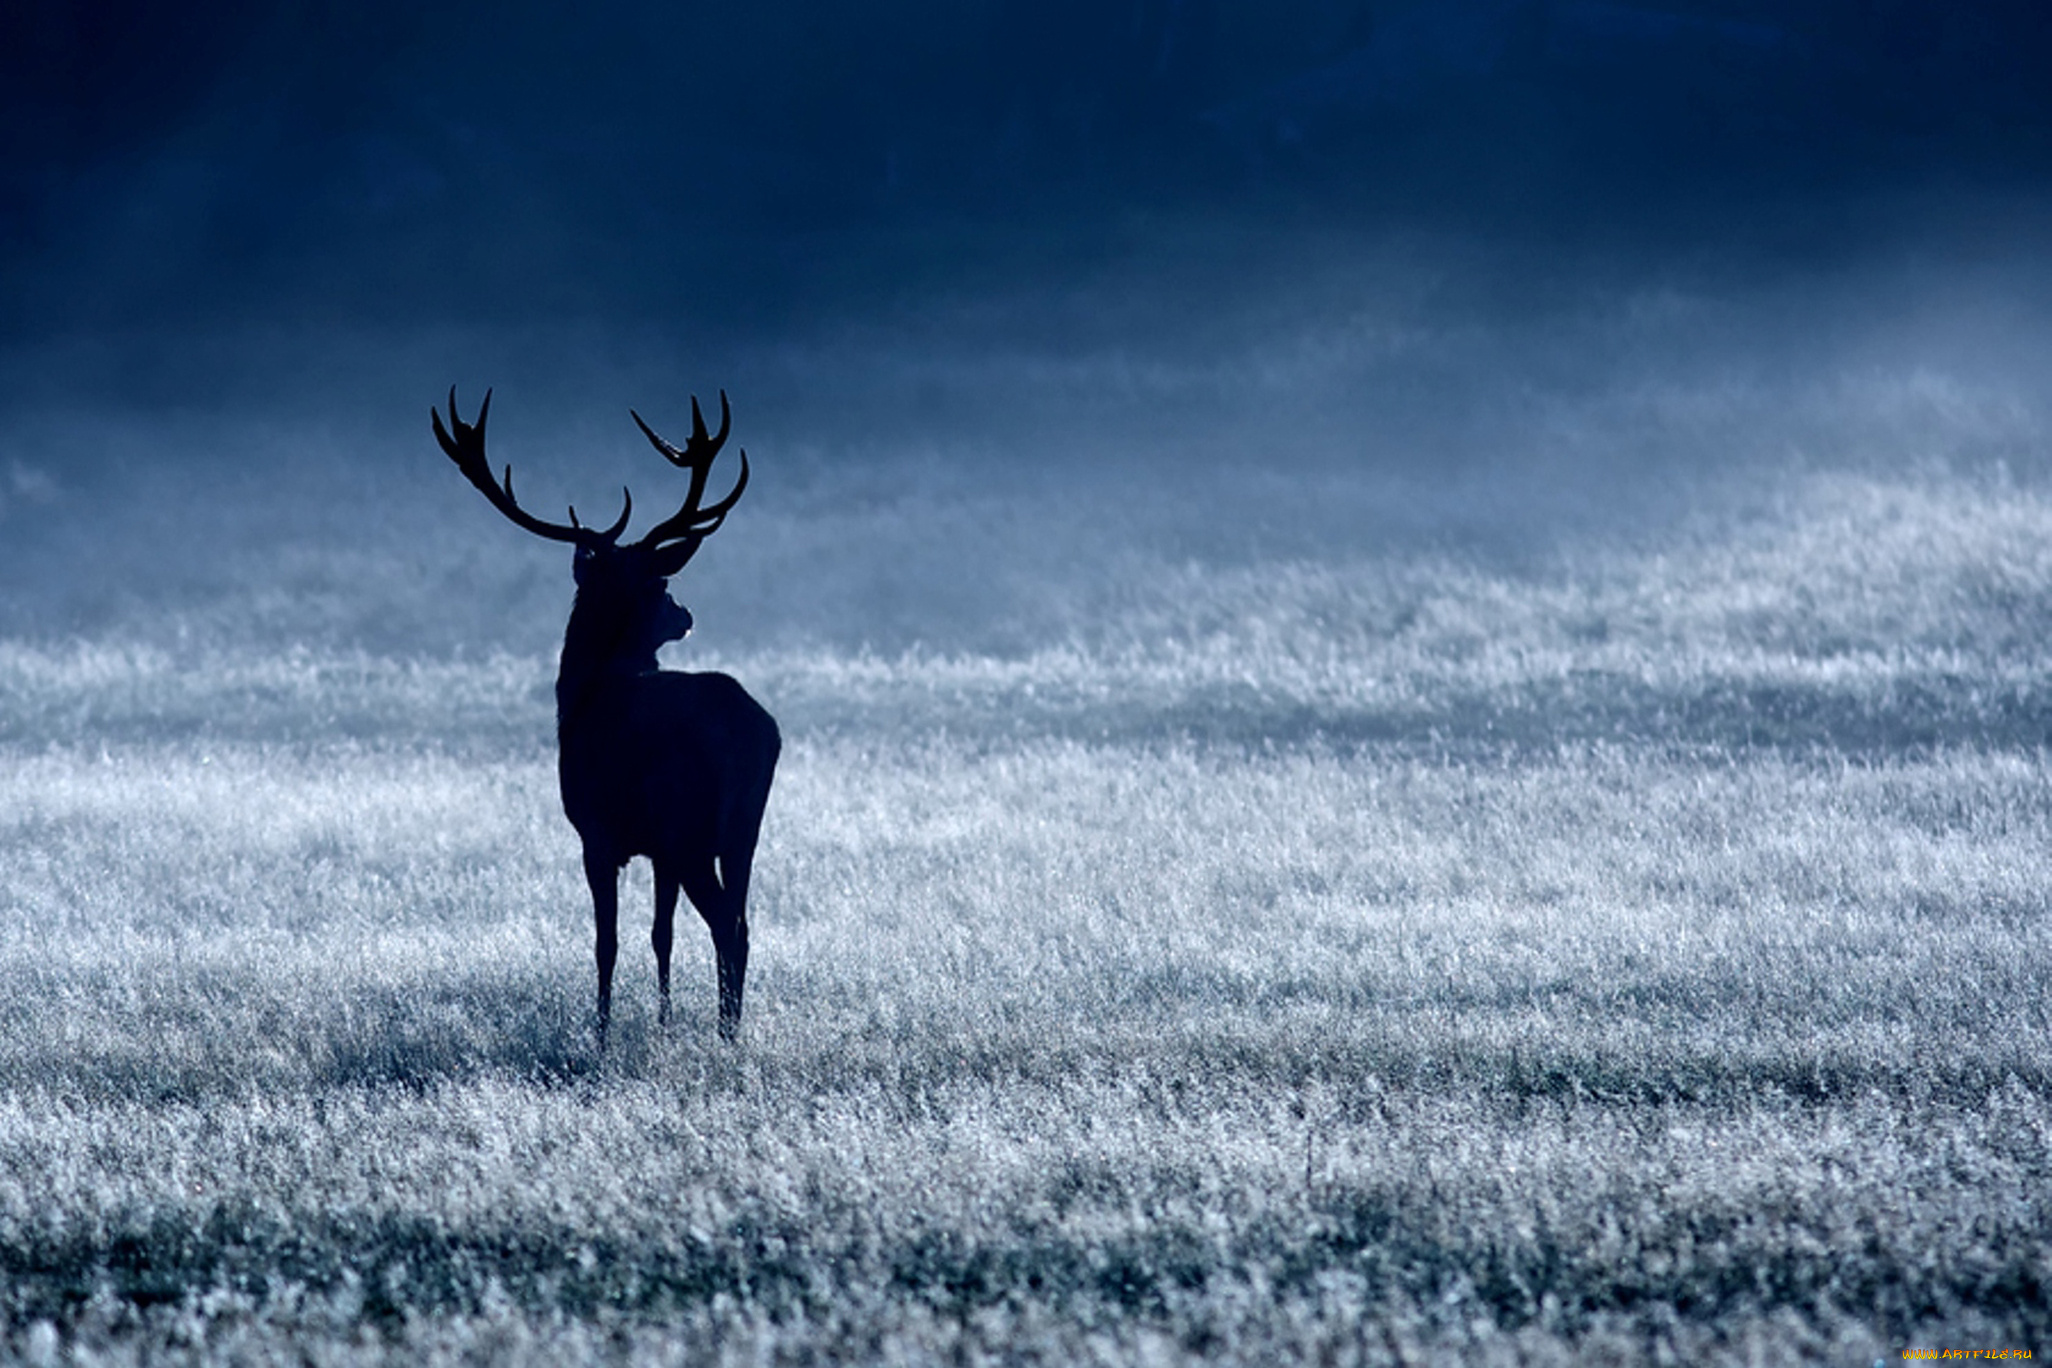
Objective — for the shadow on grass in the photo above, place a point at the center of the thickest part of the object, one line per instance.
(212, 1033)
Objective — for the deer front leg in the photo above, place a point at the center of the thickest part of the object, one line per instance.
(665, 922)
(604, 877)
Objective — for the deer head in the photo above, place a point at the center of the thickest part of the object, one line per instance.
(627, 579)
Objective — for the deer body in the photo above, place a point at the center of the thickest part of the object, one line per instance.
(677, 768)
(672, 766)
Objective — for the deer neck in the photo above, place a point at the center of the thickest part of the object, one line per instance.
(597, 658)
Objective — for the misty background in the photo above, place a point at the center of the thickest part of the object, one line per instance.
(1030, 313)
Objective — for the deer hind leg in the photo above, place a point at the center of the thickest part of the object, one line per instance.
(720, 895)
(604, 877)
(666, 886)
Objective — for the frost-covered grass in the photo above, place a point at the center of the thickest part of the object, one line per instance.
(1054, 1048)
(1631, 954)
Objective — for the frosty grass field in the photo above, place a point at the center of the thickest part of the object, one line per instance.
(1289, 946)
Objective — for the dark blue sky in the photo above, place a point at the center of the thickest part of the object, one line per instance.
(373, 163)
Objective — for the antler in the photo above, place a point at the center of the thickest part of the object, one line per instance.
(467, 450)
(690, 525)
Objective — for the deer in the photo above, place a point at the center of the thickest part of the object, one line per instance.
(669, 765)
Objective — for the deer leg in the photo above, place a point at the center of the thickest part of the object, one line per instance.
(604, 877)
(659, 937)
(733, 952)
(727, 919)
(734, 870)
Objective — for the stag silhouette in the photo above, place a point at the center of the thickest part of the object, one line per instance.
(669, 765)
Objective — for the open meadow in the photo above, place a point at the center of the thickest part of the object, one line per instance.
(1583, 898)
